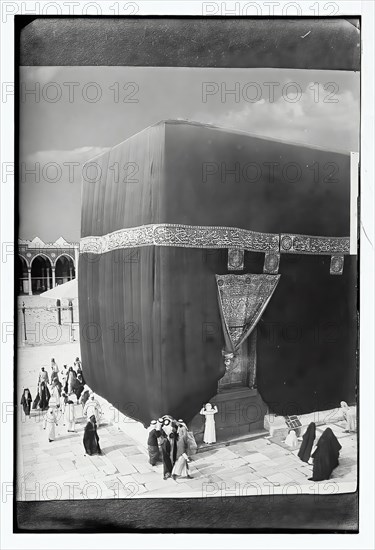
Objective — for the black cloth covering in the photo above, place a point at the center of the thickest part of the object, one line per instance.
(151, 334)
(304, 452)
(326, 455)
(91, 439)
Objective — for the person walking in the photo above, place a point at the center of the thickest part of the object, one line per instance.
(63, 404)
(78, 366)
(181, 466)
(43, 376)
(84, 397)
(70, 383)
(308, 439)
(92, 408)
(54, 366)
(26, 401)
(50, 421)
(326, 456)
(91, 438)
(70, 418)
(64, 377)
(44, 396)
(55, 390)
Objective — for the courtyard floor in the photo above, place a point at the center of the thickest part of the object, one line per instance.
(60, 470)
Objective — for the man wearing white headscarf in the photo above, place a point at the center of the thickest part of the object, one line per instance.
(84, 397)
(350, 417)
(92, 408)
(209, 411)
(50, 421)
(181, 467)
(291, 440)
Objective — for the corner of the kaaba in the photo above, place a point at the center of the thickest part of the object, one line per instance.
(300, 358)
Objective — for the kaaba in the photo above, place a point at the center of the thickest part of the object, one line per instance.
(213, 261)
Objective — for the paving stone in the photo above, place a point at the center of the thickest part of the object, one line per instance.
(141, 464)
(240, 449)
(209, 470)
(256, 457)
(147, 478)
(279, 478)
(262, 469)
(233, 464)
(226, 475)
(157, 483)
(246, 477)
(124, 466)
(200, 485)
(298, 475)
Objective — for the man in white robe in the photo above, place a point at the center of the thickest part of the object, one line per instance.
(92, 408)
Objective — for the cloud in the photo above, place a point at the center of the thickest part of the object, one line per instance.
(57, 166)
(321, 116)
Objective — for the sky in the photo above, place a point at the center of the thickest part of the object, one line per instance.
(69, 115)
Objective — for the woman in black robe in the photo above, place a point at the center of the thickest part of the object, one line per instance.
(304, 452)
(326, 456)
(78, 388)
(91, 438)
(44, 396)
(80, 375)
(26, 401)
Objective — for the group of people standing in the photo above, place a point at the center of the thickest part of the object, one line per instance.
(324, 452)
(58, 395)
(170, 441)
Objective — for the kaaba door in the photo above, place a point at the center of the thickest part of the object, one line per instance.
(242, 373)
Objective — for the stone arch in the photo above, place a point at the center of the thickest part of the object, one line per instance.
(41, 273)
(22, 274)
(64, 268)
(40, 255)
(24, 259)
(67, 255)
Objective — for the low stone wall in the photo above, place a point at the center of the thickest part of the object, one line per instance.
(42, 326)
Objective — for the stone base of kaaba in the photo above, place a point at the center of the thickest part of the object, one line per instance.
(241, 411)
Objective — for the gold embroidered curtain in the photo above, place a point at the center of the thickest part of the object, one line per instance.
(242, 301)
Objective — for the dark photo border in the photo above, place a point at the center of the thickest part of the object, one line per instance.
(246, 42)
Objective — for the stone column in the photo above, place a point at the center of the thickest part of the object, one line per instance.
(76, 255)
(53, 277)
(29, 279)
(48, 281)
